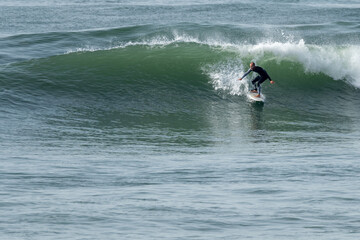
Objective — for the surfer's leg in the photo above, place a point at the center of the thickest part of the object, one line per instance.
(259, 88)
(261, 80)
(254, 83)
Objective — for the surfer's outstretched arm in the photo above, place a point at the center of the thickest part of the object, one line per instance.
(271, 81)
(245, 74)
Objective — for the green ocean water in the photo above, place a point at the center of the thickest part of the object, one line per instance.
(125, 120)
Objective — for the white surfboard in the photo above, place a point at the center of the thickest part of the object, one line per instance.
(252, 97)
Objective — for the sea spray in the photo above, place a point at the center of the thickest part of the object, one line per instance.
(224, 76)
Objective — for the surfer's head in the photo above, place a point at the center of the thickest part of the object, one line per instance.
(252, 65)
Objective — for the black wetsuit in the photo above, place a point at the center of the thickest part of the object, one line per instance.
(263, 75)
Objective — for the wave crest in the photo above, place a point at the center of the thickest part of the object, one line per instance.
(337, 62)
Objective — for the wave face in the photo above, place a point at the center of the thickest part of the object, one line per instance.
(164, 65)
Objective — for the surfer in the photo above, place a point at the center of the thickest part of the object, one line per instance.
(256, 82)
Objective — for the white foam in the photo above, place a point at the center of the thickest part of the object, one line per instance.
(338, 62)
(224, 76)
